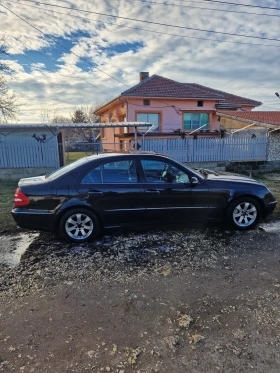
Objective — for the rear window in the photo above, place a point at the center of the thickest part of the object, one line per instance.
(63, 170)
(93, 176)
(112, 172)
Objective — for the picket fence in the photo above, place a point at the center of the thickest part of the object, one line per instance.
(209, 150)
(29, 153)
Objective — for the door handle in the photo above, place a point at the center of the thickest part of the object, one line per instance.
(152, 191)
(95, 193)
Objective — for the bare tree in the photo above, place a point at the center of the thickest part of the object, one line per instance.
(86, 115)
(8, 100)
(60, 119)
(70, 134)
(45, 114)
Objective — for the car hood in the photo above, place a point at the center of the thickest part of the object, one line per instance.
(223, 176)
(32, 180)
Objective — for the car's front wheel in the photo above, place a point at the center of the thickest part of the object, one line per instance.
(79, 225)
(244, 213)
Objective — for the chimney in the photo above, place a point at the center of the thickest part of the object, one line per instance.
(144, 75)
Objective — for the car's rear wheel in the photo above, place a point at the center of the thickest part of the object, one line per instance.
(244, 213)
(79, 225)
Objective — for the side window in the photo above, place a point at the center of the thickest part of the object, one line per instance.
(119, 172)
(93, 176)
(163, 172)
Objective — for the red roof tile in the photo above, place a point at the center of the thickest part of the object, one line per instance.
(230, 98)
(158, 86)
(266, 117)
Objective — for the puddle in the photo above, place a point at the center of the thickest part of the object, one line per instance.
(273, 227)
(12, 247)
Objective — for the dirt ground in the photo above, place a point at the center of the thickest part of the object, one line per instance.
(163, 301)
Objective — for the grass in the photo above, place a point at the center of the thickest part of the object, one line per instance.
(7, 191)
(73, 156)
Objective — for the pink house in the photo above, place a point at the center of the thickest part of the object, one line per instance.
(170, 106)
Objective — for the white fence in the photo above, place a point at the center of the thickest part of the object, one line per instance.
(29, 153)
(209, 150)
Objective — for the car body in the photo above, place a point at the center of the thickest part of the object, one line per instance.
(132, 190)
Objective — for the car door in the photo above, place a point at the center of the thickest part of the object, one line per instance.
(114, 191)
(170, 196)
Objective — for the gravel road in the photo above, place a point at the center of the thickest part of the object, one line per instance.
(163, 301)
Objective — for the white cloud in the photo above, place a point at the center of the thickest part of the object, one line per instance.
(247, 70)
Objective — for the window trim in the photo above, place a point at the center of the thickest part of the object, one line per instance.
(170, 163)
(101, 165)
(159, 112)
(209, 112)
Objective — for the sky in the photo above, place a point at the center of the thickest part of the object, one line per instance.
(65, 54)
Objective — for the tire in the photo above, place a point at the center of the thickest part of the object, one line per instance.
(244, 213)
(79, 225)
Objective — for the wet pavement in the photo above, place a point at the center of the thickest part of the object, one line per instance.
(131, 247)
(272, 227)
(163, 301)
(13, 246)
(31, 261)
(155, 301)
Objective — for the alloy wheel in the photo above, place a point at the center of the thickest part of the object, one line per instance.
(245, 214)
(79, 226)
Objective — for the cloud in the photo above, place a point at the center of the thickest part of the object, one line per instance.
(98, 56)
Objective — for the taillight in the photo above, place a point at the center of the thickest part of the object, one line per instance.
(20, 198)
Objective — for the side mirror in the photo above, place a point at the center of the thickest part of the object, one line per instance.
(194, 181)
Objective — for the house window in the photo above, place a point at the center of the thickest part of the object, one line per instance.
(146, 102)
(193, 121)
(199, 103)
(153, 118)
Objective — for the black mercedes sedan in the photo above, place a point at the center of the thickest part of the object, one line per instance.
(133, 190)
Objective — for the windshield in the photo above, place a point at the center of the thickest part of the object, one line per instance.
(63, 170)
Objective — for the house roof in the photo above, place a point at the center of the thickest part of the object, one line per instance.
(230, 98)
(158, 86)
(258, 117)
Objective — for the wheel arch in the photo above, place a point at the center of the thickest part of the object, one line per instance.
(252, 196)
(63, 211)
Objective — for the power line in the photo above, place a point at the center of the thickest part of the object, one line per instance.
(147, 30)
(62, 74)
(62, 46)
(242, 5)
(92, 20)
(142, 21)
(203, 8)
(59, 43)
(55, 72)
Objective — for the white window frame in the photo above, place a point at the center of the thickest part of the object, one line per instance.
(200, 121)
